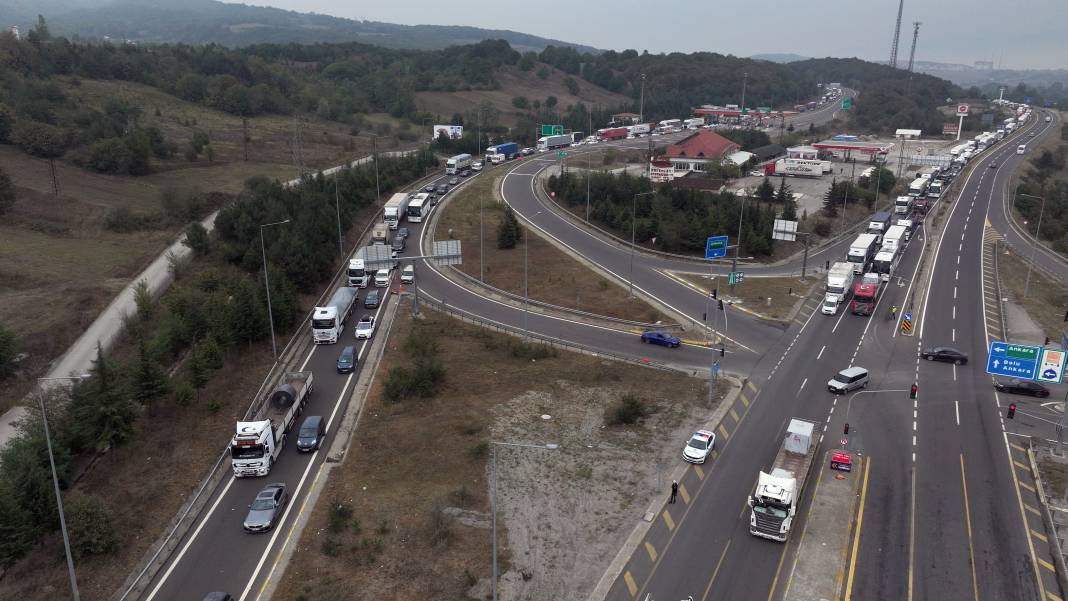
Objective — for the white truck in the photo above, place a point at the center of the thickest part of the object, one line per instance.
(884, 263)
(458, 163)
(935, 189)
(358, 276)
(257, 443)
(903, 205)
(641, 129)
(907, 224)
(839, 286)
(918, 187)
(894, 239)
(861, 252)
(694, 123)
(395, 210)
(328, 322)
(774, 502)
(552, 142)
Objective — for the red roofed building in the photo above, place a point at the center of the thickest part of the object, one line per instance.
(694, 152)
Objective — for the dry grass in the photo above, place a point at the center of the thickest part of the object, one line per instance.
(1054, 476)
(391, 476)
(1046, 300)
(553, 276)
(753, 293)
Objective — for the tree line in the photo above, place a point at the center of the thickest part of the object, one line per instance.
(1046, 179)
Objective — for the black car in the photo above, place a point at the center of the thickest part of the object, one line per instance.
(398, 244)
(346, 362)
(465, 173)
(372, 300)
(267, 508)
(945, 354)
(454, 181)
(429, 188)
(218, 596)
(1015, 386)
(311, 434)
(402, 233)
(442, 189)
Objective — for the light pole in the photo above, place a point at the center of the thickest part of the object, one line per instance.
(267, 284)
(845, 199)
(1034, 239)
(741, 109)
(493, 494)
(374, 157)
(337, 207)
(589, 167)
(55, 483)
(481, 238)
(526, 288)
(641, 106)
(633, 227)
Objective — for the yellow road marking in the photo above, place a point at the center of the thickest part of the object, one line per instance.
(714, 453)
(1027, 486)
(745, 400)
(715, 572)
(723, 432)
(1053, 597)
(1021, 466)
(685, 495)
(856, 534)
(1039, 536)
(1023, 518)
(912, 530)
(968, 523)
(1046, 564)
(700, 472)
(1032, 509)
(650, 550)
(633, 588)
(751, 386)
(667, 520)
(734, 414)
(1017, 447)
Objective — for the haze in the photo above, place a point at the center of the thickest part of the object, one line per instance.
(1012, 35)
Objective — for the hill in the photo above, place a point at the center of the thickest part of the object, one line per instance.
(964, 75)
(779, 57)
(210, 21)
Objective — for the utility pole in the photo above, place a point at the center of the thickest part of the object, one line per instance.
(267, 285)
(741, 109)
(641, 106)
(633, 229)
(374, 156)
(337, 207)
(912, 53)
(897, 35)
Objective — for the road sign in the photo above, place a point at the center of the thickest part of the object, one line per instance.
(1051, 367)
(844, 441)
(908, 316)
(962, 109)
(841, 462)
(1012, 360)
(715, 247)
(552, 130)
(560, 154)
(847, 103)
(735, 277)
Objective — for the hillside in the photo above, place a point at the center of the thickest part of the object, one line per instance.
(779, 57)
(210, 21)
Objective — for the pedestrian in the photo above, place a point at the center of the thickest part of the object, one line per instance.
(674, 490)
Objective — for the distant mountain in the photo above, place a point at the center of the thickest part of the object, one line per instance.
(779, 57)
(210, 21)
(966, 76)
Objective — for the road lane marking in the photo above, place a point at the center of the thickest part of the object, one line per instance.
(633, 588)
(744, 399)
(956, 409)
(1021, 466)
(1039, 536)
(805, 381)
(723, 431)
(1027, 486)
(685, 497)
(715, 572)
(856, 533)
(700, 472)
(751, 386)
(734, 414)
(1047, 565)
(667, 520)
(912, 525)
(1017, 447)
(968, 523)
(1053, 597)
(954, 311)
(953, 334)
(1032, 509)
(821, 352)
(650, 550)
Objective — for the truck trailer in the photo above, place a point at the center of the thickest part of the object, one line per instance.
(257, 443)
(797, 167)
(774, 502)
(458, 163)
(509, 150)
(395, 209)
(839, 287)
(552, 142)
(613, 133)
(328, 322)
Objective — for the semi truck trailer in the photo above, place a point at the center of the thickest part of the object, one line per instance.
(774, 502)
(257, 443)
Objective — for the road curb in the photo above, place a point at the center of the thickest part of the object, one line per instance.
(1047, 520)
(615, 568)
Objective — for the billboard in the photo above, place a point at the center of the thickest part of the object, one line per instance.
(949, 129)
(453, 132)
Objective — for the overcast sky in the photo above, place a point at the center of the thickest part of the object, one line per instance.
(1019, 35)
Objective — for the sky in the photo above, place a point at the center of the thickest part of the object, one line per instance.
(1018, 35)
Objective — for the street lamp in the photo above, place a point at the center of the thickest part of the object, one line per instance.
(641, 106)
(55, 483)
(526, 289)
(337, 207)
(267, 284)
(633, 222)
(493, 494)
(1034, 239)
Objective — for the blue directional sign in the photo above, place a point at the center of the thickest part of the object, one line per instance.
(908, 316)
(716, 247)
(1013, 360)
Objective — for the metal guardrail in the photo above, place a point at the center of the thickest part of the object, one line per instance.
(298, 342)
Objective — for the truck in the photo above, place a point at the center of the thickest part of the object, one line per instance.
(908, 225)
(797, 167)
(380, 232)
(879, 222)
(903, 205)
(613, 133)
(839, 286)
(509, 150)
(861, 252)
(358, 275)
(328, 322)
(257, 443)
(395, 210)
(551, 142)
(935, 189)
(866, 294)
(884, 263)
(694, 123)
(918, 187)
(894, 239)
(641, 129)
(774, 502)
(458, 163)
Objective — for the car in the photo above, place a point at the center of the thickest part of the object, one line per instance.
(454, 181)
(661, 338)
(699, 446)
(382, 278)
(371, 300)
(442, 189)
(217, 596)
(408, 274)
(945, 354)
(465, 173)
(476, 166)
(1034, 133)
(429, 188)
(402, 232)
(992, 165)
(311, 434)
(433, 198)
(527, 151)
(398, 245)
(1016, 386)
(266, 508)
(848, 379)
(756, 173)
(346, 361)
(365, 328)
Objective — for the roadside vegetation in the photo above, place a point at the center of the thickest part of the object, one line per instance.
(1045, 176)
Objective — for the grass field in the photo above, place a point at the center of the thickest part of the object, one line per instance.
(552, 275)
(753, 293)
(1046, 300)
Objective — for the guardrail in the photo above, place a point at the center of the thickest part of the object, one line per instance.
(298, 342)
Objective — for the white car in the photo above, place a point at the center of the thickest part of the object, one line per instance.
(699, 446)
(382, 278)
(476, 166)
(408, 274)
(527, 151)
(365, 328)
(756, 173)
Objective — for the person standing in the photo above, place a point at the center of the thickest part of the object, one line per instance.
(674, 490)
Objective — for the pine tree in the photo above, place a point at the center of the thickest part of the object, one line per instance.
(102, 416)
(785, 197)
(150, 381)
(830, 201)
(766, 191)
(508, 232)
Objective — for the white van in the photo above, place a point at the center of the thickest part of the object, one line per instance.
(382, 278)
(408, 274)
(1022, 148)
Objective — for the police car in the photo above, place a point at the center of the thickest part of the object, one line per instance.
(699, 446)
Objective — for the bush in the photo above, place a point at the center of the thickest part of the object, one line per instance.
(531, 350)
(197, 239)
(822, 228)
(340, 516)
(521, 102)
(628, 411)
(124, 221)
(7, 192)
(421, 381)
(8, 352)
(508, 232)
(91, 530)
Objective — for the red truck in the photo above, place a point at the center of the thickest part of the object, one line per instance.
(865, 294)
(614, 133)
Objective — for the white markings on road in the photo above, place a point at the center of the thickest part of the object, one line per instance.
(913, 440)
(953, 332)
(958, 259)
(821, 352)
(805, 381)
(954, 311)
(956, 274)
(956, 409)
(954, 292)
(954, 372)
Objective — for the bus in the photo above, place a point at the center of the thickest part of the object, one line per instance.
(861, 252)
(418, 207)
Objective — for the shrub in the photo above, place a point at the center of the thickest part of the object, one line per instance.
(340, 514)
(8, 352)
(197, 239)
(422, 381)
(531, 350)
(91, 530)
(628, 411)
(822, 228)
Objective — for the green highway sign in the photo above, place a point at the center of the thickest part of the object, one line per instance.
(560, 154)
(735, 277)
(552, 130)
(847, 103)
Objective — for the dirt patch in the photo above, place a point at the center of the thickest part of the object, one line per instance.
(552, 275)
(604, 159)
(753, 294)
(418, 473)
(1046, 300)
(1054, 474)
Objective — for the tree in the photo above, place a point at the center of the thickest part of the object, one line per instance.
(550, 102)
(543, 73)
(765, 191)
(572, 85)
(785, 197)
(8, 352)
(7, 192)
(199, 370)
(197, 239)
(830, 203)
(39, 139)
(526, 62)
(101, 415)
(149, 382)
(521, 102)
(7, 121)
(91, 529)
(40, 32)
(508, 232)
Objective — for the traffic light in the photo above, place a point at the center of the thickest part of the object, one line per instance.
(846, 432)
(722, 351)
(1011, 413)
(721, 304)
(1046, 343)
(715, 295)
(913, 391)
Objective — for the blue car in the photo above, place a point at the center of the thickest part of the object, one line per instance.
(661, 338)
